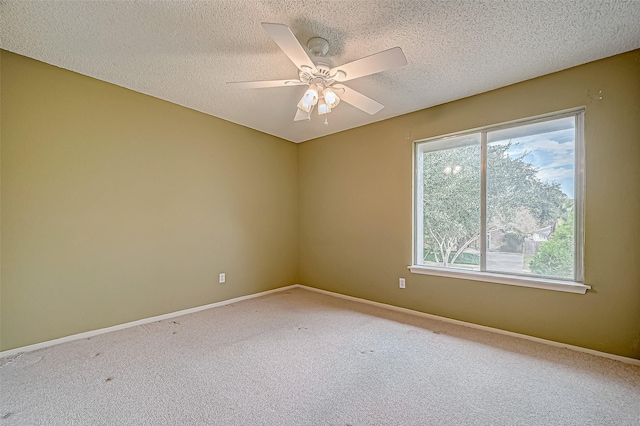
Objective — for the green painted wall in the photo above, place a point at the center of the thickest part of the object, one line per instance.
(117, 206)
(355, 206)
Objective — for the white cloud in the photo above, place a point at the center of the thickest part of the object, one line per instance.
(541, 144)
(555, 174)
(553, 154)
(566, 161)
(545, 154)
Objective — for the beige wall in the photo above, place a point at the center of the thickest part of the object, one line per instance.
(356, 219)
(118, 206)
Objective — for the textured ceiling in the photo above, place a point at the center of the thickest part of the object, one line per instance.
(185, 51)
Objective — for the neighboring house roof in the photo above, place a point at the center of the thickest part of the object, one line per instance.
(542, 234)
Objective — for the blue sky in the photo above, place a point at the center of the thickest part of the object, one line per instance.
(553, 154)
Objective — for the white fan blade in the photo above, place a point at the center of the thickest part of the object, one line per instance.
(290, 45)
(301, 115)
(386, 60)
(266, 83)
(357, 99)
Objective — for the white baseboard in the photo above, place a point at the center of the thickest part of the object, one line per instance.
(626, 360)
(92, 333)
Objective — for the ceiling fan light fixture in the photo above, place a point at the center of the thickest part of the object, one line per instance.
(323, 107)
(309, 99)
(303, 106)
(312, 94)
(331, 97)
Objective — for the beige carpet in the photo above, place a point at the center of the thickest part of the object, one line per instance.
(303, 358)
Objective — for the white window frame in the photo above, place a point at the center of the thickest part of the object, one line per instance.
(572, 286)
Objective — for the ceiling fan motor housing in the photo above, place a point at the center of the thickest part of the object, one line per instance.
(323, 72)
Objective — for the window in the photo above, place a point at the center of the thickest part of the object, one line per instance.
(503, 201)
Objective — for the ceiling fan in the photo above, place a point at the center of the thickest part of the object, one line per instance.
(325, 88)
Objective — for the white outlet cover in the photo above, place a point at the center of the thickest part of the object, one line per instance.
(223, 278)
(402, 284)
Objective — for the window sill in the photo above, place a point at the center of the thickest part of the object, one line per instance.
(544, 283)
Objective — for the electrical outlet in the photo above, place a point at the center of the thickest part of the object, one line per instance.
(223, 277)
(401, 282)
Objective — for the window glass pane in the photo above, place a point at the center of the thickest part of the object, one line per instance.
(451, 203)
(530, 199)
